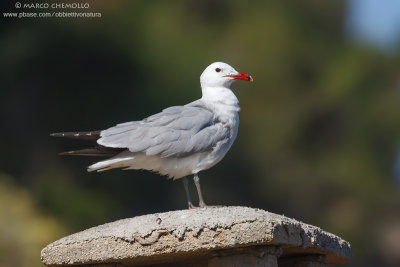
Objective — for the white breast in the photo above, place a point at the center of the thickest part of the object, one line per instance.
(225, 106)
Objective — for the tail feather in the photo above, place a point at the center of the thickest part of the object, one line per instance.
(115, 162)
(97, 151)
(88, 136)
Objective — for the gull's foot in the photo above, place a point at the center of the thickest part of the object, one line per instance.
(212, 206)
(191, 206)
(202, 204)
(216, 206)
(205, 206)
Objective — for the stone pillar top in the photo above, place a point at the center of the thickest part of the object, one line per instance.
(178, 235)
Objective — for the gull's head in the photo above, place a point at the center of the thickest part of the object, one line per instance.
(220, 74)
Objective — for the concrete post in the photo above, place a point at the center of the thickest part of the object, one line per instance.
(257, 256)
(215, 236)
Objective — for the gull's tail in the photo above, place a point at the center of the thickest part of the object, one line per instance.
(121, 160)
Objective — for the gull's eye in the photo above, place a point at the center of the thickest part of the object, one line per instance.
(217, 69)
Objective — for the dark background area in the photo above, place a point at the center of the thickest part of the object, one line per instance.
(318, 139)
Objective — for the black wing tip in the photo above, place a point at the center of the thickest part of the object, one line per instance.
(66, 153)
(97, 151)
(82, 152)
(88, 136)
(57, 134)
(74, 153)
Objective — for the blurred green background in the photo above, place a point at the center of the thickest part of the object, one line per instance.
(319, 134)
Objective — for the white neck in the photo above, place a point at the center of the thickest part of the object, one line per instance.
(220, 95)
(224, 103)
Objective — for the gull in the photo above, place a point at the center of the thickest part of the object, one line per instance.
(177, 142)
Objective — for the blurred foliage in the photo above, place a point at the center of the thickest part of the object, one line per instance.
(24, 229)
(319, 126)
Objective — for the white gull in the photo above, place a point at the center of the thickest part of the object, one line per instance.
(180, 140)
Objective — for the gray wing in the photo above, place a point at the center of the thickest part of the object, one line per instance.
(176, 131)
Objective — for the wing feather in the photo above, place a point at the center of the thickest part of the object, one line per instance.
(176, 131)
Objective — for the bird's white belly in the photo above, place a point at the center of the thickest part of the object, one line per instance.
(174, 167)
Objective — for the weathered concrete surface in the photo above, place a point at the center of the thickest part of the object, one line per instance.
(188, 234)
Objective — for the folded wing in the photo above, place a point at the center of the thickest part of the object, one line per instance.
(174, 132)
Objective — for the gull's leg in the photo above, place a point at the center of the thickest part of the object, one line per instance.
(196, 179)
(186, 185)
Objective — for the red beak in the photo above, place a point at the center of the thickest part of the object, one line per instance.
(241, 76)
